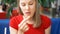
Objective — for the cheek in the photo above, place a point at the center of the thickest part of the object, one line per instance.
(33, 9)
(22, 8)
(32, 13)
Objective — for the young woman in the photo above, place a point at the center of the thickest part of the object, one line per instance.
(29, 21)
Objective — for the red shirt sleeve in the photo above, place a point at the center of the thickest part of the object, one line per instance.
(13, 23)
(46, 22)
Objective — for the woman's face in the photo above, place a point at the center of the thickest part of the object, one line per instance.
(27, 7)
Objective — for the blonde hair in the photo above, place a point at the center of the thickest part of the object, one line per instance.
(36, 16)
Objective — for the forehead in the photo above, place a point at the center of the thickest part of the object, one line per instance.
(27, 0)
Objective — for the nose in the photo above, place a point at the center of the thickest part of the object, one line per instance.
(27, 7)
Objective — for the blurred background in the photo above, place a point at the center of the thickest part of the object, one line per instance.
(50, 8)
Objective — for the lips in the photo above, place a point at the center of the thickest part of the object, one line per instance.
(27, 13)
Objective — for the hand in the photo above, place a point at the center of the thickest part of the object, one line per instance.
(23, 25)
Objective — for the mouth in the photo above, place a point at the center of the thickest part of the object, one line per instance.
(28, 13)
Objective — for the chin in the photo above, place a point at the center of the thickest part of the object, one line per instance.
(28, 15)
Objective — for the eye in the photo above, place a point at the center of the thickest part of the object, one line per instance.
(23, 4)
(30, 3)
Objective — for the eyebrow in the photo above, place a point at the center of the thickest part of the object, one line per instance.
(29, 1)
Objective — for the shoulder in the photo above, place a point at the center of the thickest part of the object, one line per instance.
(15, 21)
(43, 17)
(45, 21)
(16, 17)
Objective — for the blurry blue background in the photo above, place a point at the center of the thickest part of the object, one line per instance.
(4, 23)
(55, 28)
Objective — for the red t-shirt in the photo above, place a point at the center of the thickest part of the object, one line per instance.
(41, 30)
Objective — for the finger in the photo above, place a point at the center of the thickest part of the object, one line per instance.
(24, 28)
(24, 20)
(22, 25)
